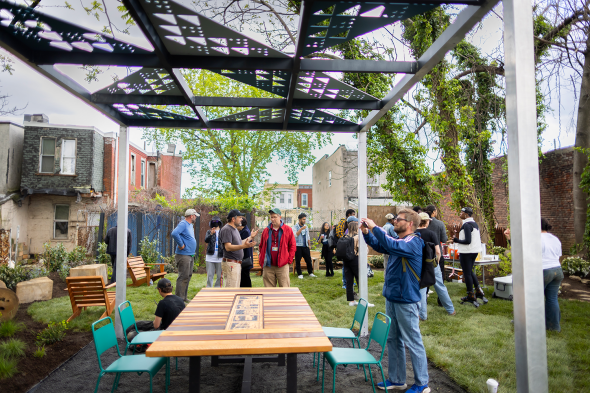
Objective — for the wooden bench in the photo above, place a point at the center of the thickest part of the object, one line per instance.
(140, 273)
(315, 260)
(90, 291)
(256, 265)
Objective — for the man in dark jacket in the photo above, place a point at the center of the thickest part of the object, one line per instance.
(111, 242)
(438, 227)
(402, 292)
(276, 251)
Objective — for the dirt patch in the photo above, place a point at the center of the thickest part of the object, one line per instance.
(574, 290)
(59, 285)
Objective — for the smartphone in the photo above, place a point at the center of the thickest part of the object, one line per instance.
(364, 224)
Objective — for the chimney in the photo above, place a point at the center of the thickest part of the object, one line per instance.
(171, 148)
(37, 118)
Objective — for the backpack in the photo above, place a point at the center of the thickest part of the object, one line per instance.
(429, 262)
(345, 248)
(332, 239)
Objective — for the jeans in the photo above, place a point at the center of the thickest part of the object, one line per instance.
(405, 331)
(467, 262)
(352, 273)
(303, 252)
(185, 265)
(442, 293)
(552, 279)
(213, 269)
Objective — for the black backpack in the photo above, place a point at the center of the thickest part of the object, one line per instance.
(429, 263)
(345, 248)
(332, 238)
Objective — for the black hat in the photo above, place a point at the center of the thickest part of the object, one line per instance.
(215, 222)
(164, 283)
(235, 213)
(467, 210)
(302, 215)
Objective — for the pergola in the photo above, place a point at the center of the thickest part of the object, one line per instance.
(182, 38)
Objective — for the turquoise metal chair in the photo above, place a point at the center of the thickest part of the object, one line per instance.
(345, 333)
(105, 338)
(361, 356)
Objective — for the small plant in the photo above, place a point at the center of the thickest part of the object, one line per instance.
(576, 266)
(376, 261)
(103, 257)
(496, 250)
(39, 352)
(12, 348)
(53, 333)
(7, 367)
(54, 257)
(505, 265)
(9, 328)
(12, 276)
(77, 256)
(149, 250)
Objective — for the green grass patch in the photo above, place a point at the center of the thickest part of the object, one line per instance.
(7, 367)
(9, 328)
(12, 348)
(39, 352)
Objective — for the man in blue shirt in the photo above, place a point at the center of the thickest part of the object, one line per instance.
(402, 293)
(390, 231)
(186, 246)
(302, 241)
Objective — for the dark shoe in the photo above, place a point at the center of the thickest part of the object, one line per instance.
(439, 302)
(470, 298)
(481, 295)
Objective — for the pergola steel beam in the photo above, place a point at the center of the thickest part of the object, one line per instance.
(365, 66)
(137, 99)
(465, 21)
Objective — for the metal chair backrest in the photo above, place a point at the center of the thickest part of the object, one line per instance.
(360, 313)
(127, 318)
(104, 338)
(379, 332)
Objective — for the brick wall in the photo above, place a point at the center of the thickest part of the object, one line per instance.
(169, 174)
(109, 163)
(98, 162)
(135, 181)
(309, 193)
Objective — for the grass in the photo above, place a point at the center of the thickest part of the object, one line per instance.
(39, 352)
(7, 367)
(12, 348)
(471, 347)
(9, 328)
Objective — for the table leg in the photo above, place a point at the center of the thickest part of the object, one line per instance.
(292, 373)
(281, 360)
(194, 374)
(247, 376)
(483, 276)
(214, 361)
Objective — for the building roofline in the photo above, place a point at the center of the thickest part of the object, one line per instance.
(52, 125)
(11, 122)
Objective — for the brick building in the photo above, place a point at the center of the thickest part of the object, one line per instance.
(305, 196)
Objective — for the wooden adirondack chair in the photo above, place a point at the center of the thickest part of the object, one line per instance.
(90, 291)
(141, 273)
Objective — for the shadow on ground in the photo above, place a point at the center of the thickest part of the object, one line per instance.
(79, 375)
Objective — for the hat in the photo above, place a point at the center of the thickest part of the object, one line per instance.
(389, 216)
(215, 221)
(467, 210)
(164, 283)
(302, 215)
(424, 216)
(191, 212)
(352, 219)
(275, 211)
(235, 213)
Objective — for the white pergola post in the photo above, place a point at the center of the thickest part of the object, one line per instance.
(122, 211)
(362, 193)
(525, 208)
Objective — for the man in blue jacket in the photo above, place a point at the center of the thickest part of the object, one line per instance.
(186, 246)
(402, 293)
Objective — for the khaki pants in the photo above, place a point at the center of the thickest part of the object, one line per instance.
(232, 273)
(272, 274)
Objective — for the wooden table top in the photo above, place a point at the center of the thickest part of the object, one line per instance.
(202, 328)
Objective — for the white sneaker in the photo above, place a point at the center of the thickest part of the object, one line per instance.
(353, 303)
(301, 276)
(312, 275)
(431, 291)
(370, 304)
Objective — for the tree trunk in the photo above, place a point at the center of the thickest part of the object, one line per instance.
(583, 141)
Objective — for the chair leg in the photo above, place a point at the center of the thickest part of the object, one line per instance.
(323, 372)
(177, 364)
(116, 382)
(357, 366)
(313, 362)
(98, 382)
(317, 378)
(371, 375)
(151, 387)
(365, 371)
(334, 379)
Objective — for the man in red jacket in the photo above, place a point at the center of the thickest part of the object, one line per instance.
(276, 251)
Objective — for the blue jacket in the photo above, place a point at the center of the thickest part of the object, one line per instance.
(399, 286)
(184, 234)
(388, 228)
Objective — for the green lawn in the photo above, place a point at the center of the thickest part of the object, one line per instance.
(472, 346)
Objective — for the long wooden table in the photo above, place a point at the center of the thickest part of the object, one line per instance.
(243, 321)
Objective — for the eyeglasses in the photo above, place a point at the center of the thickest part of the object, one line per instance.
(400, 219)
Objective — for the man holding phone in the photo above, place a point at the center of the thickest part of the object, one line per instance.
(302, 241)
(233, 254)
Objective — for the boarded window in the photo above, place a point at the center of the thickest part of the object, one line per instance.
(132, 170)
(47, 155)
(68, 156)
(152, 175)
(142, 174)
(60, 221)
(304, 200)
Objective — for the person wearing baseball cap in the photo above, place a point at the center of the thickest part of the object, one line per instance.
(276, 252)
(169, 307)
(186, 246)
(233, 248)
(469, 245)
(388, 228)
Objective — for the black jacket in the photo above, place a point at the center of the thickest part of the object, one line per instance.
(211, 245)
(111, 241)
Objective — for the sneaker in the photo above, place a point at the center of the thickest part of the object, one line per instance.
(391, 386)
(418, 389)
(356, 296)
(353, 303)
(312, 275)
(370, 304)
(344, 287)
(430, 291)
(301, 276)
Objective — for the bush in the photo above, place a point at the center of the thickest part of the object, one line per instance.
(76, 257)
(576, 266)
(7, 367)
(496, 250)
(149, 250)
(53, 333)
(39, 353)
(505, 265)
(103, 257)
(12, 348)
(54, 257)
(9, 328)
(377, 261)
(170, 266)
(12, 276)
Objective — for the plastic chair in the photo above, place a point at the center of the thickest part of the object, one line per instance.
(345, 333)
(358, 356)
(142, 338)
(105, 338)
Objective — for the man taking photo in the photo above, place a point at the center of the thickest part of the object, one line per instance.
(233, 254)
(302, 242)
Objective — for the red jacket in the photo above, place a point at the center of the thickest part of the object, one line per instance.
(287, 245)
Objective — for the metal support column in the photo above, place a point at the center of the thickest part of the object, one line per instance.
(362, 192)
(525, 208)
(122, 210)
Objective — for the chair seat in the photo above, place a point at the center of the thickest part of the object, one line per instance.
(349, 356)
(332, 332)
(146, 337)
(139, 363)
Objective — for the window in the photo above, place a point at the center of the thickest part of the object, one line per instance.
(60, 221)
(289, 199)
(282, 199)
(330, 179)
(304, 200)
(151, 175)
(142, 173)
(47, 155)
(68, 156)
(132, 169)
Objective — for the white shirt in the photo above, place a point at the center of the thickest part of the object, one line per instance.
(551, 247)
(215, 257)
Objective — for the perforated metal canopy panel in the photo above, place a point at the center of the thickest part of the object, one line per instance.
(318, 85)
(315, 116)
(274, 115)
(186, 32)
(335, 22)
(276, 82)
(147, 81)
(45, 33)
(133, 111)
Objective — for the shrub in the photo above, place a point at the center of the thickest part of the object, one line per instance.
(505, 265)
(576, 266)
(7, 367)
(149, 250)
(76, 257)
(53, 333)
(377, 261)
(170, 266)
(496, 250)
(103, 257)
(40, 352)
(54, 257)
(9, 328)
(12, 348)
(12, 276)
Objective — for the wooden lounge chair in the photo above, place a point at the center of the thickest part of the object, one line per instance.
(141, 273)
(90, 291)
(256, 265)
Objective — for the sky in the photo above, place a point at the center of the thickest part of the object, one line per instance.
(33, 93)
